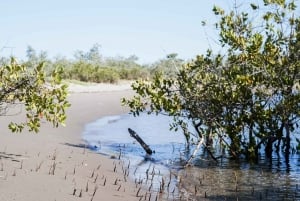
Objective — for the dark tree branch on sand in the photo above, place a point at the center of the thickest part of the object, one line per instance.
(142, 143)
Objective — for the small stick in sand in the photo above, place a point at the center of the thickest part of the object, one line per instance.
(128, 165)
(96, 178)
(96, 188)
(93, 174)
(120, 153)
(147, 175)
(87, 186)
(123, 170)
(138, 191)
(150, 187)
(104, 182)
(135, 170)
(14, 173)
(54, 155)
(162, 183)
(52, 169)
(116, 181)
(39, 166)
(21, 166)
(168, 186)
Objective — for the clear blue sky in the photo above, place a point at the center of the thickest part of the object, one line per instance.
(148, 29)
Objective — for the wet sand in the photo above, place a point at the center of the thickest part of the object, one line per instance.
(55, 163)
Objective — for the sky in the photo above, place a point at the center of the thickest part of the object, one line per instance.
(148, 29)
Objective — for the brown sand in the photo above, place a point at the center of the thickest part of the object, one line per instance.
(54, 165)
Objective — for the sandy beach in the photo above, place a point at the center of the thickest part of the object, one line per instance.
(55, 165)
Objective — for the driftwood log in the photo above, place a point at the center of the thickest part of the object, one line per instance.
(142, 143)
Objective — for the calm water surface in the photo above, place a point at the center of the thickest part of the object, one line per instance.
(274, 179)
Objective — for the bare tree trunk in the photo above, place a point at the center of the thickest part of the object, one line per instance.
(288, 140)
(142, 143)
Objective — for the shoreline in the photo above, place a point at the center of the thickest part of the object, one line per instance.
(55, 163)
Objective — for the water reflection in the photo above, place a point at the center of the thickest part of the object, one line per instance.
(234, 183)
(269, 179)
(276, 179)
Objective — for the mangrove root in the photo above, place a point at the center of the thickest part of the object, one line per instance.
(200, 142)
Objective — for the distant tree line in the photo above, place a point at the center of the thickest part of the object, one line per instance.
(92, 66)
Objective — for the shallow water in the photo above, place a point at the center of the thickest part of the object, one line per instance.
(110, 134)
(268, 180)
